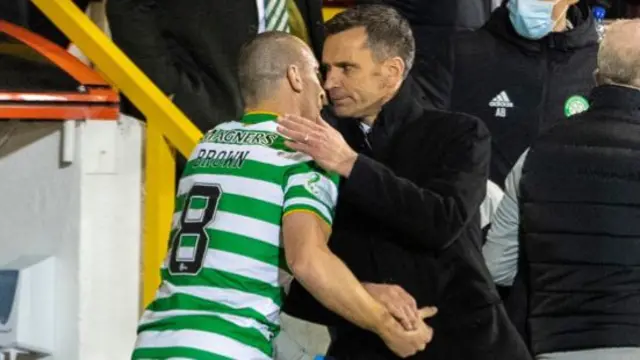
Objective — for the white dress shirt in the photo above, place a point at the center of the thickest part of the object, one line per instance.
(262, 21)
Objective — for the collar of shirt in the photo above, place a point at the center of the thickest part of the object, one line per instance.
(366, 129)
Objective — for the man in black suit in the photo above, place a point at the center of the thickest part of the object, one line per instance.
(190, 49)
(412, 180)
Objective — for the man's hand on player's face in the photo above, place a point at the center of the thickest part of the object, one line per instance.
(320, 141)
(400, 304)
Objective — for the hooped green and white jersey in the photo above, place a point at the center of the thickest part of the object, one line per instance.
(222, 280)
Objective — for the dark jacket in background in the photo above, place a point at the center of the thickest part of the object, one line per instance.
(408, 215)
(580, 234)
(515, 85)
(441, 14)
(433, 23)
(190, 49)
(27, 15)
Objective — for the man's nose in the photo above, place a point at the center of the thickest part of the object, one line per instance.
(330, 80)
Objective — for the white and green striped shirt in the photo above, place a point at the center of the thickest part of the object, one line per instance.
(222, 281)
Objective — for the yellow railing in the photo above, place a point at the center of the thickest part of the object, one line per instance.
(329, 12)
(165, 122)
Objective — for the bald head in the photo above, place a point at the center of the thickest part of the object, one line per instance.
(619, 55)
(264, 62)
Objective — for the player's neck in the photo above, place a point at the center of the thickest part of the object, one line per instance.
(273, 106)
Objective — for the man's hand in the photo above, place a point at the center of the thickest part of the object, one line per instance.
(320, 141)
(399, 303)
(407, 343)
(414, 334)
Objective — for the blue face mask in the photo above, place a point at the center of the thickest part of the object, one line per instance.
(532, 19)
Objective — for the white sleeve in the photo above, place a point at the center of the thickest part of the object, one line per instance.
(501, 249)
(490, 203)
(311, 191)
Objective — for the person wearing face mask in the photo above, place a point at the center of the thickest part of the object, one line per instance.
(531, 64)
(566, 230)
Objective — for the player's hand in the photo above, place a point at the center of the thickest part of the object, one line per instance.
(319, 140)
(398, 302)
(407, 343)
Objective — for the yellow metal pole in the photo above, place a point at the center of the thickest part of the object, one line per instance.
(159, 203)
(329, 12)
(164, 121)
(180, 132)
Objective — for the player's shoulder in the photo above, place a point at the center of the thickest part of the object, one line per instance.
(310, 169)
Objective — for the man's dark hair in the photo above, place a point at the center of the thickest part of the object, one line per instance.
(264, 61)
(388, 32)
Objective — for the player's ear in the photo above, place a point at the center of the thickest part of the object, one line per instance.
(294, 77)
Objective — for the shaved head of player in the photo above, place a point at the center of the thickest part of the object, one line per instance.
(278, 72)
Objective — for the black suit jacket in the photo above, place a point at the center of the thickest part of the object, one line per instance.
(408, 215)
(190, 49)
